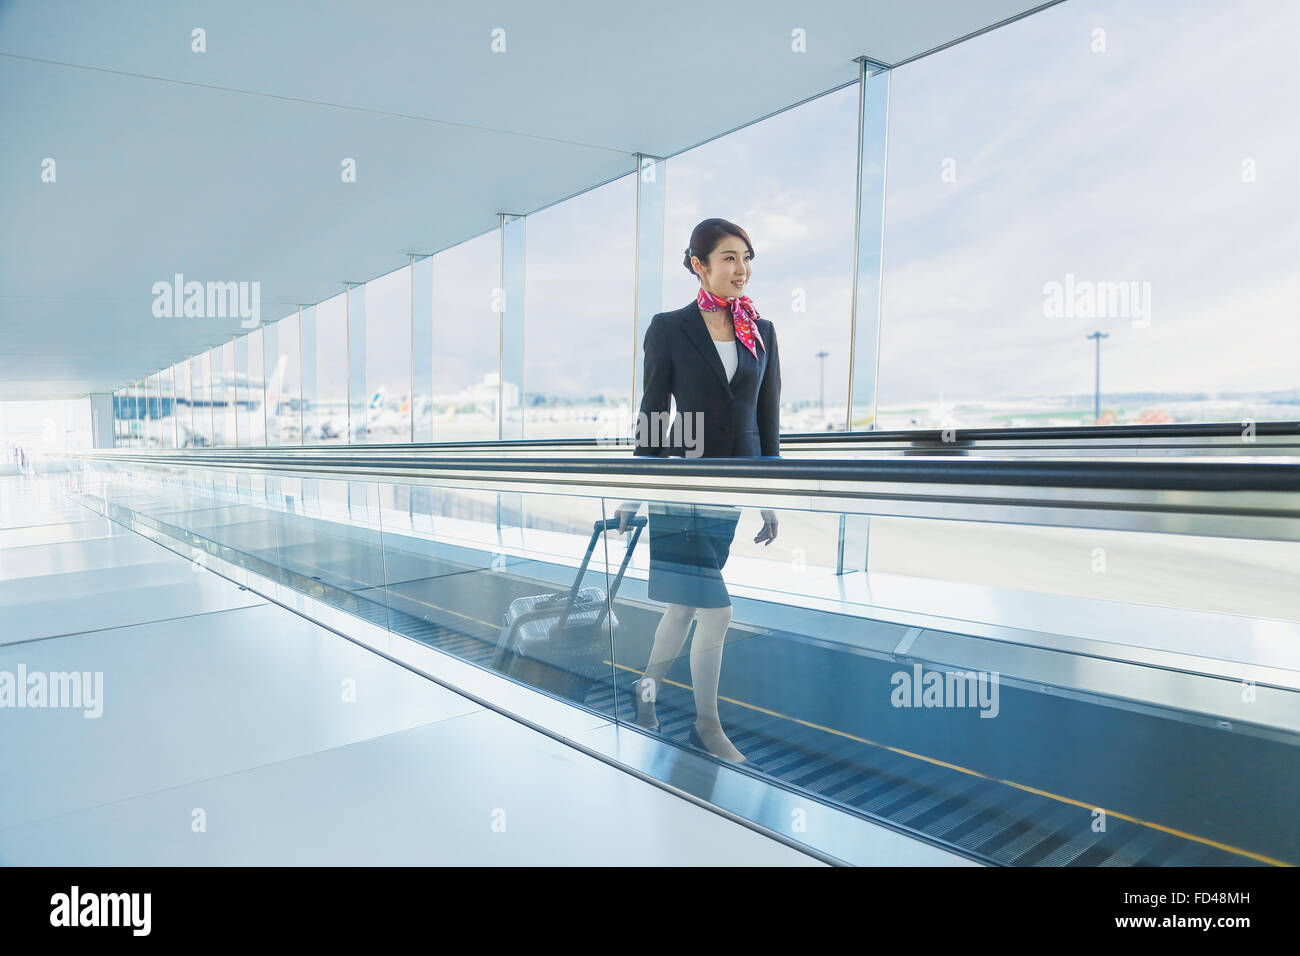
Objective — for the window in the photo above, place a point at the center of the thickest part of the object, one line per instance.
(579, 317)
(283, 391)
(790, 181)
(1082, 171)
(330, 404)
(466, 340)
(388, 357)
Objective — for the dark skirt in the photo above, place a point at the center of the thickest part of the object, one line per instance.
(689, 544)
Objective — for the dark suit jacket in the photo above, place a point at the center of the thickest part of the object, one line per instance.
(740, 418)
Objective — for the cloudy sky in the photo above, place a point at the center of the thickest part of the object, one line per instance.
(1123, 165)
(1155, 143)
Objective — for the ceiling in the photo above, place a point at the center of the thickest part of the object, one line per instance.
(225, 165)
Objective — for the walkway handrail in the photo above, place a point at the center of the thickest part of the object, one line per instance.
(1245, 499)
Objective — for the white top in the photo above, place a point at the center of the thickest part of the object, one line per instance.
(727, 352)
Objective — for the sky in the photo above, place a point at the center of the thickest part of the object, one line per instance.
(1122, 165)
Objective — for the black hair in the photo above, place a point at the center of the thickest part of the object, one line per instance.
(706, 236)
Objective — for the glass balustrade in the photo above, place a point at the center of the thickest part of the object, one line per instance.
(1024, 694)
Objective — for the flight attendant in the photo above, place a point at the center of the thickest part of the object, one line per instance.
(718, 359)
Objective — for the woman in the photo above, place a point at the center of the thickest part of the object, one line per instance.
(718, 359)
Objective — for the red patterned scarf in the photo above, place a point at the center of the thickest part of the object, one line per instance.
(743, 315)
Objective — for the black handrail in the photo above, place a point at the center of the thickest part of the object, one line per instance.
(1059, 433)
(958, 437)
(1138, 474)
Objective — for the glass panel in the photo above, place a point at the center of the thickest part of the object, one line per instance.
(119, 419)
(511, 305)
(146, 415)
(130, 427)
(77, 436)
(802, 276)
(331, 409)
(388, 357)
(152, 425)
(464, 564)
(169, 412)
(307, 349)
(581, 392)
(422, 348)
(1221, 575)
(256, 390)
(194, 379)
(356, 363)
(140, 415)
(126, 438)
(337, 556)
(201, 400)
(157, 394)
(283, 403)
(161, 422)
(291, 384)
(218, 391)
(185, 406)
(213, 414)
(118, 432)
(242, 425)
(1021, 220)
(341, 552)
(874, 123)
(273, 368)
(937, 697)
(650, 183)
(228, 391)
(466, 340)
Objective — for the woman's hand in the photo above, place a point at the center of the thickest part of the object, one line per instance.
(626, 511)
(768, 534)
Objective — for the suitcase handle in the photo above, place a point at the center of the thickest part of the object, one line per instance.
(598, 528)
(622, 568)
(609, 524)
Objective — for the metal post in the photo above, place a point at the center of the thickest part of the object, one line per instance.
(1096, 385)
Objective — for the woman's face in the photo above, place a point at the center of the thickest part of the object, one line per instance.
(727, 272)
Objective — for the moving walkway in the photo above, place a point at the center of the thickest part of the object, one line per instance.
(1139, 707)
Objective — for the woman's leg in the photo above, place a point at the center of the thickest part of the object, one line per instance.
(706, 670)
(669, 638)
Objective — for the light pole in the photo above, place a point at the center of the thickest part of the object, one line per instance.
(1096, 386)
(821, 382)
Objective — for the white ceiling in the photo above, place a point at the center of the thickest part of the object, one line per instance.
(225, 165)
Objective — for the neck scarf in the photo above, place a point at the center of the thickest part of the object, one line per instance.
(743, 316)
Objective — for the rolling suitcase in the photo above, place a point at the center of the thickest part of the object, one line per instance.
(557, 642)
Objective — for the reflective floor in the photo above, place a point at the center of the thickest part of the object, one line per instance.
(213, 727)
